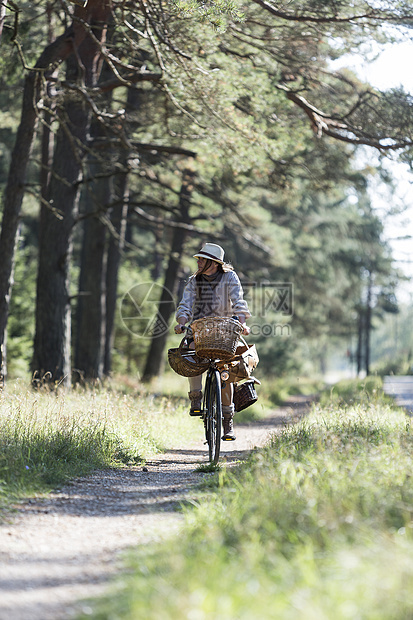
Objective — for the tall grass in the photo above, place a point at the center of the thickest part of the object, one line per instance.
(318, 525)
(353, 391)
(48, 437)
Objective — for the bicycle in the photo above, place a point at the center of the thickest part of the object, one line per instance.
(211, 412)
(215, 341)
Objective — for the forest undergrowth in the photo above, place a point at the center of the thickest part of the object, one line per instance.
(49, 436)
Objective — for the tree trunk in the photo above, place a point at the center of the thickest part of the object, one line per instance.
(118, 219)
(57, 51)
(52, 343)
(360, 334)
(368, 325)
(155, 360)
(3, 9)
(117, 238)
(13, 197)
(51, 357)
(91, 307)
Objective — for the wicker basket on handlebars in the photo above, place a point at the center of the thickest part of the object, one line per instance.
(216, 337)
(186, 362)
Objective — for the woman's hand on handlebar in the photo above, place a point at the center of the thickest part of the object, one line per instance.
(180, 329)
(241, 319)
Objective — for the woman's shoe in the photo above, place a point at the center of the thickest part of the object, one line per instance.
(228, 427)
(196, 403)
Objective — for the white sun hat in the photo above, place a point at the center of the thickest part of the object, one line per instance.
(212, 251)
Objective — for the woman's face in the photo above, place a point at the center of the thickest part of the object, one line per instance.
(201, 264)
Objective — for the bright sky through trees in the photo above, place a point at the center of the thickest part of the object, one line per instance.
(391, 69)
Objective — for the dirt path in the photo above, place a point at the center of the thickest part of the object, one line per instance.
(57, 551)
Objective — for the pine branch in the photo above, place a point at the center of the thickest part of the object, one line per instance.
(371, 14)
(322, 123)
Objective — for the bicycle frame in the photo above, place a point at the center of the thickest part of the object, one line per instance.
(212, 411)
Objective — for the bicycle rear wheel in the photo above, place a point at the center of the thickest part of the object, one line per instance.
(213, 415)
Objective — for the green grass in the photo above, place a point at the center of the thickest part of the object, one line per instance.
(49, 437)
(208, 468)
(279, 390)
(352, 391)
(318, 525)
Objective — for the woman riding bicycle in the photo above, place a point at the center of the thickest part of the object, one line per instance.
(213, 290)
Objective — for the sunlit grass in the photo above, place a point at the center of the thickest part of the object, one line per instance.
(318, 525)
(47, 437)
(353, 391)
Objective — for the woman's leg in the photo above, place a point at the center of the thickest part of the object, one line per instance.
(195, 383)
(227, 394)
(228, 411)
(195, 395)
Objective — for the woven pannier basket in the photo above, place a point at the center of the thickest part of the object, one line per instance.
(186, 362)
(245, 394)
(216, 337)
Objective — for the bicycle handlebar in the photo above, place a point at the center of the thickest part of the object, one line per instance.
(186, 328)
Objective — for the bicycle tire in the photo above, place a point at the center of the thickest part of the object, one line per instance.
(213, 415)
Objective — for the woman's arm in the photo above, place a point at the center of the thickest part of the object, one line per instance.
(185, 307)
(236, 295)
(239, 305)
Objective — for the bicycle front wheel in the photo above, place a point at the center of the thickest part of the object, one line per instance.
(213, 415)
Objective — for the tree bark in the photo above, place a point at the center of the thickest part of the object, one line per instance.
(91, 307)
(155, 359)
(51, 356)
(117, 238)
(118, 218)
(52, 343)
(3, 9)
(91, 304)
(56, 52)
(360, 336)
(14, 192)
(368, 325)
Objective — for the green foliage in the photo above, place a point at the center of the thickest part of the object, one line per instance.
(279, 391)
(351, 391)
(276, 195)
(392, 343)
(20, 328)
(208, 468)
(401, 365)
(318, 525)
(213, 13)
(136, 289)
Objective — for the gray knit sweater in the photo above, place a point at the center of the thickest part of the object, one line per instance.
(225, 297)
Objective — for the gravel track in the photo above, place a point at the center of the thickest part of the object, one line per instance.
(56, 551)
